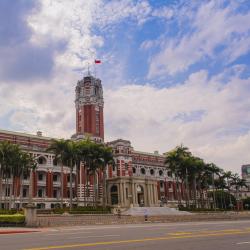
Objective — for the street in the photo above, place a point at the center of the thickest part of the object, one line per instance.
(223, 235)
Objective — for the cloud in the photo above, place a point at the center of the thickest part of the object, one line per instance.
(202, 113)
(20, 59)
(55, 40)
(213, 30)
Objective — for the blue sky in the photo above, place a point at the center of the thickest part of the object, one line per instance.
(173, 71)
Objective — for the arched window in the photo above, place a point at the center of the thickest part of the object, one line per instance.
(152, 172)
(160, 172)
(134, 170)
(55, 162)
(41, 160)
(143, 171)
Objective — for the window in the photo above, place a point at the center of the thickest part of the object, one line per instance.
(25, 192)
(55, 193)
(97, 122)
(55, 162)
(41, 160)
(55, 177)
(25, 176)
(160, 172)
(161, 184)
(7, 191)
(169, 174)
(143, 171)
(40, 177)
(152, 172)
(40, 193)
(126, 166)
(134, 170)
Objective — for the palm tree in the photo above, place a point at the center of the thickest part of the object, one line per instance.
(58, 148)
(238, 183)
(71, 158)
(214, 170)
(228, 176)
(175, 162)
(107, 159)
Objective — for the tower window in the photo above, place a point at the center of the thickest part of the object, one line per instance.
(97, 122)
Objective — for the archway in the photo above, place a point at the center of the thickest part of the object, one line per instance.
(140, 196)
(114, 195)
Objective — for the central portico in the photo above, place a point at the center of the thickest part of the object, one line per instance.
(132, 192)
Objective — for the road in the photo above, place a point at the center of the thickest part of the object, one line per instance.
(222, 235)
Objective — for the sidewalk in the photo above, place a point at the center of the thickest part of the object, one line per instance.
(17, 230)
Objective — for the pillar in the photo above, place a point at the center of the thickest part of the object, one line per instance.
(30, 215)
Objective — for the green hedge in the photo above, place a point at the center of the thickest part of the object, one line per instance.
(15, 218)
(77, 210)
(12, 211)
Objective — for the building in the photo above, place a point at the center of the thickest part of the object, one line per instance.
(245, 172)
(137, 178)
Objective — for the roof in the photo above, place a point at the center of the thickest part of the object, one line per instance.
(146, 153)
(25, 135)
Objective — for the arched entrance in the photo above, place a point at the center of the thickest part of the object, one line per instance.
(140, 196)
(114, 195)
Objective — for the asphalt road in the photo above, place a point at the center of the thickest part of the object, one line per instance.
(219, 235)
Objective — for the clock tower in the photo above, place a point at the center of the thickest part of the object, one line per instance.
(89, 109)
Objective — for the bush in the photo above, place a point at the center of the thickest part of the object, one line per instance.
(12, 219)
(12, 211)
(76, 210)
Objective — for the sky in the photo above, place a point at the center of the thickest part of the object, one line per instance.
(173, 71)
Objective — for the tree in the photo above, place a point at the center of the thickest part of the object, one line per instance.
(13, 163)
(59, 148)
(175, 161)
(107, 159)
(228, 175)
(71, 157)
(214, 170)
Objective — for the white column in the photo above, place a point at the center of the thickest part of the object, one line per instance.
(121, 193)
(136, 198)
(124, 194)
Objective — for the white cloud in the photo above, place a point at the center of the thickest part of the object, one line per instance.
(145, 115)
(150, 117)
(210, 26)
(69, 22)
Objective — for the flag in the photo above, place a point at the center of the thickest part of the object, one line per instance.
(97, 61)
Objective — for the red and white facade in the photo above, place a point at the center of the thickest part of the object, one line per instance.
(137, 179)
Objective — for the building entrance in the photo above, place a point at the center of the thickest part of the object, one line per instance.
(140, 196)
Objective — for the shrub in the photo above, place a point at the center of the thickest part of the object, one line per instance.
(12, 211)
(77, 210)
(15, 218)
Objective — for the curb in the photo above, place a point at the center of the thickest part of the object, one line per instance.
(18, 231)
